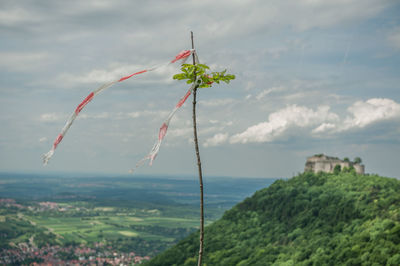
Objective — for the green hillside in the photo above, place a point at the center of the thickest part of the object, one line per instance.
(311, 219)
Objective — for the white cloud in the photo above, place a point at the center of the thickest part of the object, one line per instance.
(23, 61)
(217, 139)
(217, 102)
(103, 115)
(115, 71)
(267, 91)
(50, 117)
(279, 122)
(145, 113)
(363, 114)
(15, 16)
(394, 37)
(323, 127)
(180, 132)
(43, 139)
(302, 14)
(55, 117)
(250, 85)
(220, 123)
(371, 111)
(162, 74)
(318, 13)
(133, 114)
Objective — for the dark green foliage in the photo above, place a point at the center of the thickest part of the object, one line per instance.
(174, 232)
(311, 219)
(349, 170)
(140, 245)
(44, 238)
(357, 160)
(337, 169)
(13, 228)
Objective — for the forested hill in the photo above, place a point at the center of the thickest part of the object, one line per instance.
(311, 219)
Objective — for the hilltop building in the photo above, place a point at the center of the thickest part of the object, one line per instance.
(323, 163)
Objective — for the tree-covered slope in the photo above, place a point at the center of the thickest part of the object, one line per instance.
(322, 219)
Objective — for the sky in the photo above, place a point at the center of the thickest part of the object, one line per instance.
(312, 77)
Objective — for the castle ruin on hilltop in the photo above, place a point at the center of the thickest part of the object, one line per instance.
(327, 164)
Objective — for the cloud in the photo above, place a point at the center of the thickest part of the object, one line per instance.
(180, 132)
(145, 113)
(250, 85)
(56, 117)
(300, 15)
(102, 115)
(217, 102)
(267, 91)
(323, 14)
(217, 139)
(51, 117)
(115, 71)
(23, 61)
(394, 37)
(281, 121)
(371, 111)
(324, 127)
(161, 75)
(363, 114)
(64, 18)
(16, 16)
(43, 139)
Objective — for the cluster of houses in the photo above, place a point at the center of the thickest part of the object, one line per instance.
(56, 255)
(40, 206)
(10, 203)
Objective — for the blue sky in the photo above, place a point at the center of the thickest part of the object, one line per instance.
(311, 77)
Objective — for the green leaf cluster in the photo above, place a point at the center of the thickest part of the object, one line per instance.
(310, 219)
(200, 73)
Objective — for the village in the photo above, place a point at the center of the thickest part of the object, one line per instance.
(27, 254)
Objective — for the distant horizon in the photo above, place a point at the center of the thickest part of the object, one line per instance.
(117, 175)
(161, 176)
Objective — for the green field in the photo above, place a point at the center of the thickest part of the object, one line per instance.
(145, 215)
(111, 226)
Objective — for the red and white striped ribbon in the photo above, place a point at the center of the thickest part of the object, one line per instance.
(163, 131)
(46, 157)
(164, 127)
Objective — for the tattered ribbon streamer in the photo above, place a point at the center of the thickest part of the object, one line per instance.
(164, 127)
(162, 132)
(46, 157)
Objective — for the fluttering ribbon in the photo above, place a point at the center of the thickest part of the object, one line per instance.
(181, 56)
(163, 131)
(164, 127)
